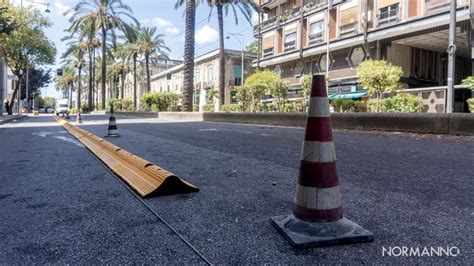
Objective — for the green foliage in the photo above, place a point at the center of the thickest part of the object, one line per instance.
(306, 81)
(269, 107)
(378, 76)
(267, 82)
(73, 110)
(402, 103)
(117, 105)
(252, 47)
(292, 107)
(127, 105)
(164, 101)
(342, 105)
(471, 104)
(244, 97)
(154, 107)
(231, 108)
(208, 107)
(469, 81)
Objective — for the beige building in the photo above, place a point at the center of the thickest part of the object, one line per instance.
(312, 36)
(206, 69)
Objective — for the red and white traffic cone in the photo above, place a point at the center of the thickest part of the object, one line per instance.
(112, 130)
(317, 218)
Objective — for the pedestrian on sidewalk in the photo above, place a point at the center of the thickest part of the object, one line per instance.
(7, 106)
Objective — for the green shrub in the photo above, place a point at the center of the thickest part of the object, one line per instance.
(164, 101)
(359, 107)
(402, 103)
(342, 105)
(127, 105)
(230, 108)
(117, 105)
(298, 107)
(84, 108)
(470, 102)
(270, 107)
(73, 110)
(154, 108)
(99, 107)
(208, 107)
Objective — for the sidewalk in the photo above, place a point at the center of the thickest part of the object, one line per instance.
(8, 118)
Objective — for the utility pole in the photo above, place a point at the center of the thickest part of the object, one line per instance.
(451, 57)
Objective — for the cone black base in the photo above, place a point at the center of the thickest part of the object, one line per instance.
(303, 234)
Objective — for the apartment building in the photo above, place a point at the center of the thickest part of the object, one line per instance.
(314, 36)
(160, 64)
(206, 75)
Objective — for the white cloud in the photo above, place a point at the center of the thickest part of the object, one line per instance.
(61, 8)
(162, 25)
(206, 34)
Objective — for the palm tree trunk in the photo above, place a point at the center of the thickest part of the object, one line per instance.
(104, 65)
(78, 97)
(188, 80)
(89, 96)
(122, 85)
(147, 65)
(135, 81)
(220, 18)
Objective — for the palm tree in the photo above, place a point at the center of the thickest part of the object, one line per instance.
(245, 7)
(132, 51)
(188, 79)
(107, 15)
(150, 45)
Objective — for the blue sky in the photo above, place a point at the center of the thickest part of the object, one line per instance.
(159, 13)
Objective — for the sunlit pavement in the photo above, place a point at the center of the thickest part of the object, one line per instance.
(60, 205)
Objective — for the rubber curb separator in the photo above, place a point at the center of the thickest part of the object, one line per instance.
(146, 178)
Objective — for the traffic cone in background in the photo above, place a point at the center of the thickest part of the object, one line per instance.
(112, 131)
(79, 118)
(317, 218)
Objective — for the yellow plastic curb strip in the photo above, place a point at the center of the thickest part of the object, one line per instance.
(145, 178)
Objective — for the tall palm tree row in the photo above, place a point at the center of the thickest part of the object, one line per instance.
(107, 16)
(188, 71)
(151, 46)
(246, 7)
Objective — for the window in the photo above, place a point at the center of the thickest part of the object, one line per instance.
(237, 76)
(267, 46)
(389, 13)
(290, 41)
(210, 76)
(197, 76)
(316, 32)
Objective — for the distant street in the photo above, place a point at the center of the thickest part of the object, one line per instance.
(60, 205)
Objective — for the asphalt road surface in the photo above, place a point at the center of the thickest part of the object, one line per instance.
(58, 204)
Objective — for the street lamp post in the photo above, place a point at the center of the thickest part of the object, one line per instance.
(237, 35)
(451, 57)
(27, 68)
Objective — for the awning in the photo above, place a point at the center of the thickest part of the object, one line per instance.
(347, 95)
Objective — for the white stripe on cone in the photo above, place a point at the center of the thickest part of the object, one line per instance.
(318, 198)
(318, 152)
(319, 107)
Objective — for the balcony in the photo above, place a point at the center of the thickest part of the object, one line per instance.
(435, 6)
(274, 21)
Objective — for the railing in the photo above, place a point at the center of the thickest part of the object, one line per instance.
(316, 38)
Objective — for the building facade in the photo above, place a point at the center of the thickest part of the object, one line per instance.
(159, 65)
(206, 75)
(311, 36)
